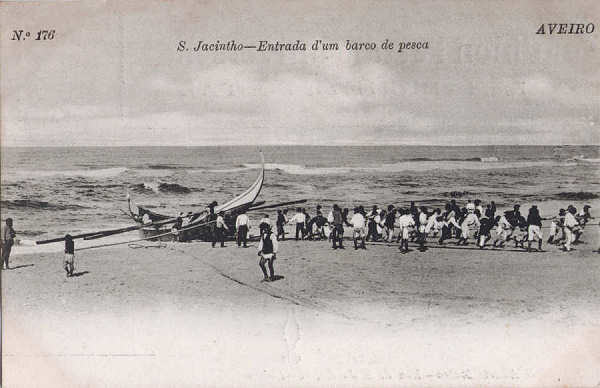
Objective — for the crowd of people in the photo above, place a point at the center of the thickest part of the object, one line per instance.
(471, 223)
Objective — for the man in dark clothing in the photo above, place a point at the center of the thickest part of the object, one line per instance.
(69, 255)
(280, 225)
(372, 225)
(534, 228)
(211, 219)
(338, 227)
(267, 251)
(8, 240)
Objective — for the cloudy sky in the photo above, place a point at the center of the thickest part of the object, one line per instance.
(112, 74)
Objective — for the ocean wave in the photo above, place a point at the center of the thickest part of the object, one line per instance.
(412, 165)
(164, 167)
(163, 187)
(91, 173)
(489, 159)
(17, 204)
(457, 194)
(586, 160)
(581, 195)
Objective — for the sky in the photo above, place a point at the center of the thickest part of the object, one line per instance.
(112, 75)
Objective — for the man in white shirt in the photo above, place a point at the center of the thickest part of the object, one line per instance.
(469, 225)
(571, 227)
(434, 223)
(242, 225)
(220, 228)
(504, 230)
(299, 219)
(358, 225)
(405, 223)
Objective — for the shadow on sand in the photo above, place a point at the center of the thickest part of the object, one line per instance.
(22, 266)
(77, 274)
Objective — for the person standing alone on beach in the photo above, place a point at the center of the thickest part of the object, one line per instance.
(267, 250)
(8, 240)
(241, 227)
(69, 264)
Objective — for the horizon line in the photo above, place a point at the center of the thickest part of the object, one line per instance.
(298, 145)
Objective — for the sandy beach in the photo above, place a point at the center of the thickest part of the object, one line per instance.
(189, 315)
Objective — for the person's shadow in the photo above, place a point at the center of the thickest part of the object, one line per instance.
(22, 266)
(77, 274)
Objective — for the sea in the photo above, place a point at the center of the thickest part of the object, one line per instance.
(53, 191)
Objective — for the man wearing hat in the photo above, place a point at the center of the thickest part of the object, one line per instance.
(267, 251)
(220, 228)
(534, 228)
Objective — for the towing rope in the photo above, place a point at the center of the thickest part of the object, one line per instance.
(145, 238)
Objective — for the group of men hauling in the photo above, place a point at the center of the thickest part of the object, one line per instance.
(404, 224)
(417, 223)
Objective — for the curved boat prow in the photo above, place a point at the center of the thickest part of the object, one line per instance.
(249, 196)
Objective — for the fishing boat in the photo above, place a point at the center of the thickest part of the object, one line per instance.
(183, 227)
(196, 226)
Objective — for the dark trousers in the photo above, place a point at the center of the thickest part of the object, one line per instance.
(338, 235)
(372, 231)
(218, 236)
(6, 248)
(280, 231)
(242, 235)
(299, 230)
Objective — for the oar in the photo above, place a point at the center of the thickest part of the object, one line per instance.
(278, 205)
(106, 232)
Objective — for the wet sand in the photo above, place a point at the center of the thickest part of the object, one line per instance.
(189, 315)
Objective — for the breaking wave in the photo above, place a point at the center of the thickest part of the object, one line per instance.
(417, 164)
(163, 187)
(581, 195)
(16, 204)
(91, 173)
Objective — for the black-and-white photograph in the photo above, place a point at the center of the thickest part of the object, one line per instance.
(300, 193)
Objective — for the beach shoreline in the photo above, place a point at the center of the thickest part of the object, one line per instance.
(189, 314)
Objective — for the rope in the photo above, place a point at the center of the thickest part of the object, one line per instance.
(145, 238)
(136, 246)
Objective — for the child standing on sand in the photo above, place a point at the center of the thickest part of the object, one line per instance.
(69, 264)
(267, 251)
